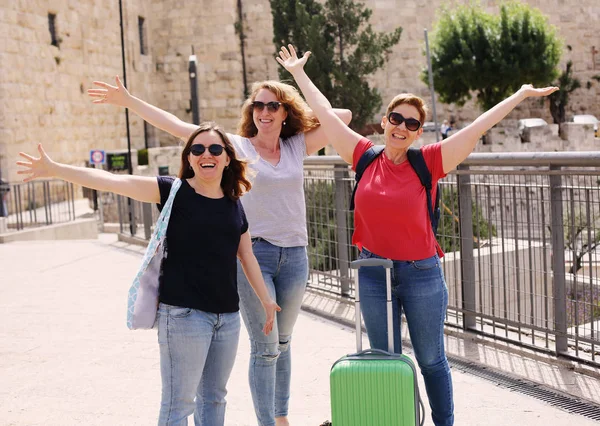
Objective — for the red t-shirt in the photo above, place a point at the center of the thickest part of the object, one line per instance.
(391, 218)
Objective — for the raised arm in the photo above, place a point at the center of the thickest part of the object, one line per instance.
(120, 96)
(342, 138)
(458, 146)
(138, 187)
(317, 138)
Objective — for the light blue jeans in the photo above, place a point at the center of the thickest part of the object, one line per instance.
(285, 271)
(197, 352)
(418, 289)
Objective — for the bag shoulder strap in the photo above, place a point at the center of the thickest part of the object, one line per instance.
(160, 228)
(417, 161)
(363, 162)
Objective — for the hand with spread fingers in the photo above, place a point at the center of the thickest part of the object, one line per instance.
(288, 58)
(36, 168)
(109, 94)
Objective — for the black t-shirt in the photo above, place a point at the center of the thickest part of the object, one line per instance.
(200, 269)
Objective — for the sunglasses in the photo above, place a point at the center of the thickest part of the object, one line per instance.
(271, 106)
(214, 149)
(397, 119)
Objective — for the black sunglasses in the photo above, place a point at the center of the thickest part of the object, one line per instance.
(397, 119)
(271, 106)
(215, 149)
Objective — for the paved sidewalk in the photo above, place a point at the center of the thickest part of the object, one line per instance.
(67, 358)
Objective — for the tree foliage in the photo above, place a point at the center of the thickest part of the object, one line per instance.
(345, 50)
(491, 55)
(560, 99)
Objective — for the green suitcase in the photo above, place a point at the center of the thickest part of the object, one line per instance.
(374, 387)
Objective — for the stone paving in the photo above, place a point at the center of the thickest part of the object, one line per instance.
(67, 358)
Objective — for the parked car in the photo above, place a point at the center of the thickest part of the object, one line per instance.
(429, 126)
(588, 119)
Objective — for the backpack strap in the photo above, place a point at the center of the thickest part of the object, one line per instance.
(363, 162)
(417, 161)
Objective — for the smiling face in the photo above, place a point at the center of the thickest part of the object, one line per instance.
(399, 137)
(265, 120)
(208, 166)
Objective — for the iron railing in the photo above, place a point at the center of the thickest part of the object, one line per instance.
(36, 203)
(521, 232)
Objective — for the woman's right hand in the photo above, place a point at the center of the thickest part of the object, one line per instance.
(109, 94)
(290, 61)
(36, 168)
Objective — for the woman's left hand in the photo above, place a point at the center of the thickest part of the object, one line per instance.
(529, 91)
(270, 308)
(289, 59)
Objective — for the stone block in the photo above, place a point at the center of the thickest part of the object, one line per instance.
(577, 132)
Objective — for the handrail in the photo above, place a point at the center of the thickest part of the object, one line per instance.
(567, 159)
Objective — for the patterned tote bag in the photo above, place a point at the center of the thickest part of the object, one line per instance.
(142, 302)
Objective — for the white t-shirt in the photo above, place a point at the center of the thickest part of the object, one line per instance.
(275, 206)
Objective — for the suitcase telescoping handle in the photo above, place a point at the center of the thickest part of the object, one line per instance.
(387, 264)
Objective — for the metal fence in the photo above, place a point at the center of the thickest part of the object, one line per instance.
(36, 203)
(521, 233)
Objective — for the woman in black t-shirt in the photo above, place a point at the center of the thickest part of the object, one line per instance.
(198, 316)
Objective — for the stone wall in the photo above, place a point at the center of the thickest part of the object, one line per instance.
(43, 87)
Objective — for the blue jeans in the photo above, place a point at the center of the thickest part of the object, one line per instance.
(418, 289)
(197, 352)
(285, 271)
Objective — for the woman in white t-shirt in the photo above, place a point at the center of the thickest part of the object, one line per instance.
(276, 132)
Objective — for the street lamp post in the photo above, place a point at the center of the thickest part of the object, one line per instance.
(194, 87)
(129, 163)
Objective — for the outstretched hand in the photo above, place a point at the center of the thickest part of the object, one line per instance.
(531, 92)
(36, 167)
(270, 309)
(289, 59)
(109, 94)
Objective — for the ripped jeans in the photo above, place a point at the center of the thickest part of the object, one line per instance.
(285, 271)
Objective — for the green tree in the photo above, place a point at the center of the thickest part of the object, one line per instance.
(345, 50)
(560, 99)
(491, 55)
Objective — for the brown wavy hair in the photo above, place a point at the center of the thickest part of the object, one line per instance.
(234, 181)
(410, 99)
(298, 118)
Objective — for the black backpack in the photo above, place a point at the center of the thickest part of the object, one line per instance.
(416, 160)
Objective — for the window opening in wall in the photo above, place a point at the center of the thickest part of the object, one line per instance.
(142, 31)
(52, 28)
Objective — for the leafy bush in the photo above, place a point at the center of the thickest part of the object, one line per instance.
(322, 227)
(142, 157)
(448, 230)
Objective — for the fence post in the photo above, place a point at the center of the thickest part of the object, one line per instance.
(558, 262)
(147, 218)
(467, 261)
(342, 188)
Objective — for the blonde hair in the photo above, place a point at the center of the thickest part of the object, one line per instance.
(298, 119)
(410, 99)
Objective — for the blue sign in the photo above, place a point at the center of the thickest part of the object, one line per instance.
(97, 156)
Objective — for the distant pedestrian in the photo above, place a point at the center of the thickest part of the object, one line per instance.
(4, 190)
(445, 129)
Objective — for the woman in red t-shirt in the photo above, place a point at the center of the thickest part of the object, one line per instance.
(392, 221)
